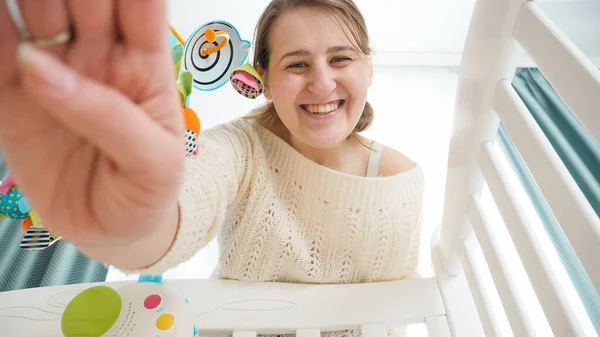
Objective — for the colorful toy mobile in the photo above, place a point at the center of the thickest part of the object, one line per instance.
(14, 205)
(213, 54)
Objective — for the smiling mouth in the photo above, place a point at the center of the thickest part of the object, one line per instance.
(323, 109)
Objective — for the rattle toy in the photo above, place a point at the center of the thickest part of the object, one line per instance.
(14, 205)
(144, 309)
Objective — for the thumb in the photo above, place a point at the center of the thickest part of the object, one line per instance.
(96, 112)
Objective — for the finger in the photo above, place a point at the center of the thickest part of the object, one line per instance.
(103, 116)
(45, 19)
(96, 25)
(143, 24)
(95, 21)
(9, 39)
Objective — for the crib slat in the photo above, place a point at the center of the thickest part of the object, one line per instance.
(571, 73)
(576, 216)
(482, 301)
(373, 330)
(308, 333)
(244, 334)
(490, 54)
(437, 326)
(514, 307)
(547, 288)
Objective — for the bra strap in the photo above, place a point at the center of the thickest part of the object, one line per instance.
(374, 159)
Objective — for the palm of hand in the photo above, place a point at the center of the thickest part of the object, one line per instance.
(102, 163)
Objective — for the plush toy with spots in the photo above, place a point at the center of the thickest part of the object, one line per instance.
(14, 205)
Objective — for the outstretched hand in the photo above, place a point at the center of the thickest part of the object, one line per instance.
(92, 128)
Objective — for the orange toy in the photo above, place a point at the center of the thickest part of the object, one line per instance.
(192, 122)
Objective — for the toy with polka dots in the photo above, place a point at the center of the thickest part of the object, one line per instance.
(145, 308)
(14, 205)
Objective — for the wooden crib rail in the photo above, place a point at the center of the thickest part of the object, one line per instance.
(369, 306)
(485, 98)
(245, 309)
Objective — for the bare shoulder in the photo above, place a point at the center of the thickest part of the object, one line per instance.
(394, 162)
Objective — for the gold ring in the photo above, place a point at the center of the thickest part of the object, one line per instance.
(17, 19)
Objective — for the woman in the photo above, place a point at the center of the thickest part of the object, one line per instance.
(294, 192)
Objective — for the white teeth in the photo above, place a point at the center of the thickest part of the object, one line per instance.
(322, 109)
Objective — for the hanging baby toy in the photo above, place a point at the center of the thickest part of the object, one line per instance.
(184, 82)
(14, 205)
(213, 54)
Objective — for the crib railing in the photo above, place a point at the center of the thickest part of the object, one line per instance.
(486, 98)
(249, 308)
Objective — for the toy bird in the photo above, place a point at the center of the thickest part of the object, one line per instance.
(14, 205)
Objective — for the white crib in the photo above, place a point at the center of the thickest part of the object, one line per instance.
(457, 301)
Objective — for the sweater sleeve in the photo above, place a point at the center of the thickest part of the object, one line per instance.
(211, 182)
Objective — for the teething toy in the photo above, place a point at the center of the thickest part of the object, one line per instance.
(247, 81)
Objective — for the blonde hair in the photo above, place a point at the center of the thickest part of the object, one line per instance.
(344, 12)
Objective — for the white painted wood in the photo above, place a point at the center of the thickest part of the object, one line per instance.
(437, 327)
(373, 330)
(490, 54)
(485, 310)
(461, 313)
(223, 306)
(552, 298)
(515, 309)
(308, 333)
(244, 334)
(578, 219)
(570, 71)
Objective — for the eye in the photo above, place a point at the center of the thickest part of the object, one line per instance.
(341, 60)
(297, 65)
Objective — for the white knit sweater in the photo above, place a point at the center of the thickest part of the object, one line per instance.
(282, 217)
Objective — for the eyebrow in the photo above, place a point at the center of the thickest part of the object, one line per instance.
(305, 52)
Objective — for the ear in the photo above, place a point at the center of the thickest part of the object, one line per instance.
(263, 74)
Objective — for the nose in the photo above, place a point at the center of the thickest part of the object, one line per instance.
(322, 81)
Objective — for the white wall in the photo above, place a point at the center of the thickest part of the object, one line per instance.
(403, 32)
(413, 113)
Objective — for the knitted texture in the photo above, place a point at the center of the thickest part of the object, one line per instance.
(282, 217)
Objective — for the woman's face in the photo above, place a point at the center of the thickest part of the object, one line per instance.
(316, 79)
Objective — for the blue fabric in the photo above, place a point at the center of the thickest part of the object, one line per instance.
(580, 155)
(58, 264)
(572, 143)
